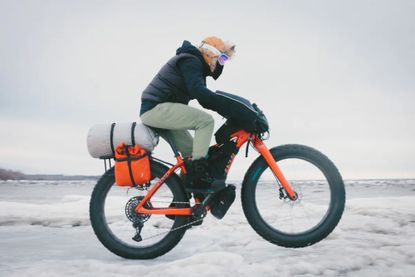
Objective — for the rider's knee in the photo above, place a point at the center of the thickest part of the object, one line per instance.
(205, 119)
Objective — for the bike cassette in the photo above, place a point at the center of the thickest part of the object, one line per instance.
(132, 215)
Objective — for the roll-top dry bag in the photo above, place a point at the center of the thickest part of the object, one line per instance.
(132, 165)
(104, 138)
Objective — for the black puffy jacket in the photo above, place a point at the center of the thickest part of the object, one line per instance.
(183, 78)
(180, 80)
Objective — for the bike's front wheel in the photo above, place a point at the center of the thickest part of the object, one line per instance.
(294, 223)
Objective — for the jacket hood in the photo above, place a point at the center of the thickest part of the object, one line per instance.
(188, 48)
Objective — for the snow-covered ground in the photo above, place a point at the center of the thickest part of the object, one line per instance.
(45, 231)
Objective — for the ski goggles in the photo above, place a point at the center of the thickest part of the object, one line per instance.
(222, 57)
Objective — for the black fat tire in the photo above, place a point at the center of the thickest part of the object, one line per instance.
(320, 231)
(107, 238)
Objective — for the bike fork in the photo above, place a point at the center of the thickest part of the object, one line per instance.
(264, 151)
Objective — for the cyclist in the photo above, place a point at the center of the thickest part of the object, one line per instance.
(164, 104)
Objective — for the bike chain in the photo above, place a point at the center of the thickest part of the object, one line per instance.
(177, 228)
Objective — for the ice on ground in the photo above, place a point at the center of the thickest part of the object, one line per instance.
(71, 210)
(45, 231)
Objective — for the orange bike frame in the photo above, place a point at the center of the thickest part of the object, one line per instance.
(240, 137)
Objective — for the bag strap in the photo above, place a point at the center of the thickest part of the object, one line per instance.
(112, 138)
(129, 165)
(133, 158)
(132, 133)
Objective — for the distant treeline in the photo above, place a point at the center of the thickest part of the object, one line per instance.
(10, 175)
(6, 174)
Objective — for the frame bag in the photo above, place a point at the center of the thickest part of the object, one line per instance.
(132, 165)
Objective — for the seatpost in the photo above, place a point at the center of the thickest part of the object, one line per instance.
(167, 136)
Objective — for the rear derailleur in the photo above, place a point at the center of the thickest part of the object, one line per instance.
(137, 219)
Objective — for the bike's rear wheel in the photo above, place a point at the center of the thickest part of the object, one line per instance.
(294, 223)
(112, 212)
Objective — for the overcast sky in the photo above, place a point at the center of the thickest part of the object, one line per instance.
(335, 75)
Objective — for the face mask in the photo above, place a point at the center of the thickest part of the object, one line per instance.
(218, 71)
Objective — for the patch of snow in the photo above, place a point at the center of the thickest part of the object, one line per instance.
(374, 238)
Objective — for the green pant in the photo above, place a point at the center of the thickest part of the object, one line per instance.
(179, 118)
